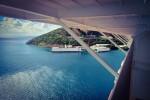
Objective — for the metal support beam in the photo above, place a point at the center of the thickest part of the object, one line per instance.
(92, 11)
(98, 58)
(99, 29)
(111, 40)
(26, 11)
(125, 39)
(127, 42)
(120, 39)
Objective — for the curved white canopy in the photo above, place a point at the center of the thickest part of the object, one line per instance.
(115, 16)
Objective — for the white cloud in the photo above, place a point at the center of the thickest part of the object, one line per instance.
(10, 27)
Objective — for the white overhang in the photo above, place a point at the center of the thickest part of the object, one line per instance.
(126, 17)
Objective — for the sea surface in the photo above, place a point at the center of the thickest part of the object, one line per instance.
(34, 73)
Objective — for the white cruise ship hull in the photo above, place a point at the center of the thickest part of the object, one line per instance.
(66, 49)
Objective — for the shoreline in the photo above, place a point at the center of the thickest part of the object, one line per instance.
(50, 47)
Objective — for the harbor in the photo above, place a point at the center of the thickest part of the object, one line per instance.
(69, 48)
(33, 69)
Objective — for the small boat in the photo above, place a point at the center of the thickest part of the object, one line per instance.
(99, 49)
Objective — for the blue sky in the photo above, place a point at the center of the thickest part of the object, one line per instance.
(12, 28)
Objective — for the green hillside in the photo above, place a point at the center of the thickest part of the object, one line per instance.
(60, 37)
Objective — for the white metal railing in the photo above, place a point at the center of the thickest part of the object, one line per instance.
(111, 41)
(121, 40)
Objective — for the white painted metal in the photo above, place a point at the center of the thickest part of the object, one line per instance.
(98, 58)
(97, 29)
(86, 28)
(116, 36)
(126, 17)
(124, 38)
(26, 11)
(112, 41)
(140, 79)
(124, 42)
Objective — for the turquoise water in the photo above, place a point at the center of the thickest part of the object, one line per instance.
(34, 73)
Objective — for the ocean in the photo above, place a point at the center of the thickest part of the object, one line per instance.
(34, 73)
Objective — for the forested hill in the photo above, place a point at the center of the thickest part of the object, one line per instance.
(60, 37)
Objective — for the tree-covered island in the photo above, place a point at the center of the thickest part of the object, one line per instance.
(60, 37)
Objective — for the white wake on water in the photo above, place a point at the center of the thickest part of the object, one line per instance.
(44, 83)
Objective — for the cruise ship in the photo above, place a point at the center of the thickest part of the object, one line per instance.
(66, 49)
(79, 49)
(100, 48)
(128, 20)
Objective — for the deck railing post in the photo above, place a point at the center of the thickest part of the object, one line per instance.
(98, 58)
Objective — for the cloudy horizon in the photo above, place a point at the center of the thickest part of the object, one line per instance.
(13, 28)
